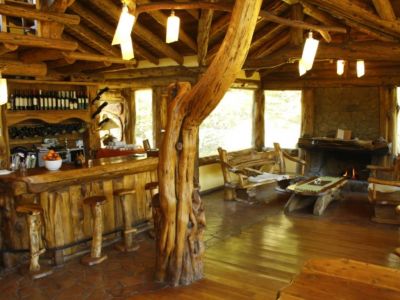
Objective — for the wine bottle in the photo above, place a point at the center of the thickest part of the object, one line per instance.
(35, 101)
(41, 104)
(76, 104)
(86, 100)
(12, 102)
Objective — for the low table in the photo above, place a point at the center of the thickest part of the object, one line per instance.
(317, 191)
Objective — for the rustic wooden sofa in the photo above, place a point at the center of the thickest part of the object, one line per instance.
(384, 192)
(236, 171)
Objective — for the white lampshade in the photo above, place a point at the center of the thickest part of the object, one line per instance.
(3, 91)
(124, 27)
(360, 68)
(173, 24)
(127, 49)
(302, 67)
(340, 66)
(309, 51)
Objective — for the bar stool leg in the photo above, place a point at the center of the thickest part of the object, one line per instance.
(34, 225)
(128, 243)
(95, 253)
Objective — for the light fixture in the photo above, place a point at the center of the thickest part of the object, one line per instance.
(127, 49)
(3, 91)
(340, 66)
(360, 68)
(173, 23)
(123, 33)
(302, 67)
(309, 51)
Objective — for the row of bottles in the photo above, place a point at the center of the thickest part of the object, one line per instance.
(47, 100)
(45, 130)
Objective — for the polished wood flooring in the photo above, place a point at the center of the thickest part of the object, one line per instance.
(252, 252)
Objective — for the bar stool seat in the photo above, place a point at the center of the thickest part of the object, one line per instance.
(33, 214)
(128, 244)
(96, 203)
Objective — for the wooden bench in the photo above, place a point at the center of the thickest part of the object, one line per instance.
(343, 279)
(237, 169)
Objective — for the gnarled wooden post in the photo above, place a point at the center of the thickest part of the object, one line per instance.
(180, 216)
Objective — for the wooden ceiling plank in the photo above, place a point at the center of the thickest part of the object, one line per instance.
(36, 55)
(219, 27)
(194, 13)
(14, 67)
(82, 47)
(145, 54)
(35, 14)
(203, 35)
(100, 43)
(384, 9)
(161, 19)
(114, 11)
(263, 36)
(39, 42)
(82, 66)
(6, 48)
(296, 34)
(98, 58)
(62, 62)
(319, 15)
(377, 35)
(275, 45)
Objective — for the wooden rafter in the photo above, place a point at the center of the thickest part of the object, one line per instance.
(6, 48)
(98, 58)
(15, 67)
(39, 42)
(275, 44)
(107, 29)
(203, 34)
(296, 34)
(266, 34)
(384, 9)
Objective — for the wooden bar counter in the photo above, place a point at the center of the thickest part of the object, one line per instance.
(67, 222)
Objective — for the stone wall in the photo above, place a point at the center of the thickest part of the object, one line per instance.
(353, 108)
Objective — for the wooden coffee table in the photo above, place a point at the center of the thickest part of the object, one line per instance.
(317, 191)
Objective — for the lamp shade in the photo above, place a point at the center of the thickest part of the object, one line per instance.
(360, 68)
(127, 49)
(110, 124)
(3, 91)
(340, 66)
(124, 27)
(309, 51)
(302, 67)
(173, 24)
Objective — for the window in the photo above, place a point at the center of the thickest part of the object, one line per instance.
(144, 116)
(229, 125)
(282, 118)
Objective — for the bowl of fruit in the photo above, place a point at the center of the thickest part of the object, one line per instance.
(52, 160)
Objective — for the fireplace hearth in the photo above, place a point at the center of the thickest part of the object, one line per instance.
(335, 157)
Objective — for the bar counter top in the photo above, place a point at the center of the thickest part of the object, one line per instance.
(40, 179)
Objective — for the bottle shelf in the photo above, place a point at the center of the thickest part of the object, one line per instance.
(39, 140)
(48, 116)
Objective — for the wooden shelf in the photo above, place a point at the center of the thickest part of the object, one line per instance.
(39, 140)
(48, 116)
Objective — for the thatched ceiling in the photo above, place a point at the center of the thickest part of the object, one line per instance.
(370, 30)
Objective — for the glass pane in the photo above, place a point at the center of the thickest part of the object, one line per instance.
(144, 116)
(282, 118)
(229, 125)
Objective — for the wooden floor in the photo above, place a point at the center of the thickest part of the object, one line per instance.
(252, 251)
(264, 257)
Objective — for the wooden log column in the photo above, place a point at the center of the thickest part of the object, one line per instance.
(307, 120)
(258, 120)
(388, 115)
(180, 244)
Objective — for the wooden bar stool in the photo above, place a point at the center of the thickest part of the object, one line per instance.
(96, 204)
(152, 188)
(33, 213)
(128, 244)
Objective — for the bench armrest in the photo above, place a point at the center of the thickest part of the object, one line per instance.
(375, 180)
(293, 158)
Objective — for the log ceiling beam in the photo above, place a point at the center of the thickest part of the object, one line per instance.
(6, 48)
(384, 9)
(154, 72)
(263, 36)
(141, 31)
(82, 67)
(161, 19)
(373, 51)
(94, 40)
(194, 13)
(282, 40)
(108, 29)
(219, 27)
(98, 58)
(296, 34)
(35, 55)
(35, 14)
(59, 63)
(203, 35)
(14, 67)
(39, 42)
(81, 46)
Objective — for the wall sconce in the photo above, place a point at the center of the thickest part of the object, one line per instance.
(3, 91)
(360, 68)
(340, 67)
(309, 51)
(123, 33)
(173, 24)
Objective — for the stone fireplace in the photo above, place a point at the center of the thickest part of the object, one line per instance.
(351, 108)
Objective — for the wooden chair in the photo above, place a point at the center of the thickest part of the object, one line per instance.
(281, 156)
(236, 172)
(384, 192)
